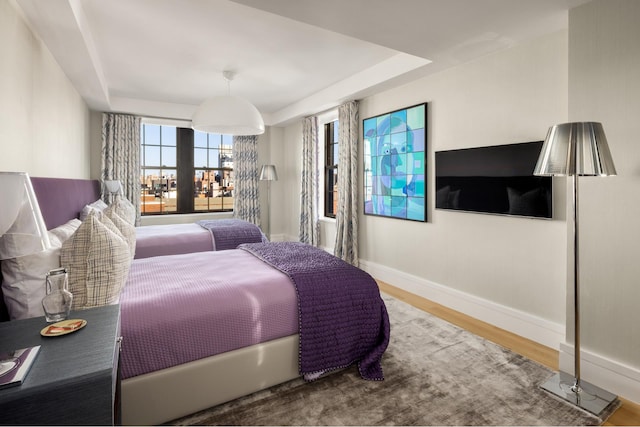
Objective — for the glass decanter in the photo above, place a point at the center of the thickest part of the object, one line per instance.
(57, 302)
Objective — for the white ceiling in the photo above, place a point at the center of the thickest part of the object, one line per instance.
(290, 57)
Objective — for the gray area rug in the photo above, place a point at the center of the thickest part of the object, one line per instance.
(435, 374)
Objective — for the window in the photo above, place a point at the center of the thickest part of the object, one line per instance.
(331, 169)
(158, 175)
(213, 178)
(183, 171)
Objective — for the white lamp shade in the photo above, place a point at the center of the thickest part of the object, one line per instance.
(113, 186)
(578, 148)
(22, 228)
(268, 173)
(228, 115)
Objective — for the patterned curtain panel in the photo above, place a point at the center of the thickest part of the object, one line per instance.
(121, 155)
(309, 225)
(246, 202)
(347, 216)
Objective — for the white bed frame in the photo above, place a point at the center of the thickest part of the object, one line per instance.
(171, 393)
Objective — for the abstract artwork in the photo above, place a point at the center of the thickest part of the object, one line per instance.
(395, 164)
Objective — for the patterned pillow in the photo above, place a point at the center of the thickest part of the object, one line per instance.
(127, 230)
(125, 209)
(97, 259)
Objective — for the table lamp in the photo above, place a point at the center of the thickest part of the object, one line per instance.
(22, 228)
(113, 187)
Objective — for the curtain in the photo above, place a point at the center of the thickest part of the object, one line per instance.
(346, 246)
(121, 156)
(246, 202)
(309, 225)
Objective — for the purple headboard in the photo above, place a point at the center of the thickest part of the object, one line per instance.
(62, 199)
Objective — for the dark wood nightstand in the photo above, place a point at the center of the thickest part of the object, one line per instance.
(75, 378)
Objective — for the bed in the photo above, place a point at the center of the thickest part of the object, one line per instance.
(69, 195)
(273, 350)
(203, 235)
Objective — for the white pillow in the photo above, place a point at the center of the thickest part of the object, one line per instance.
(97, 259)
(99, 205)
(23, 278)
(65, 231)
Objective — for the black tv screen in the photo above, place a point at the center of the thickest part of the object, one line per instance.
(496, 180)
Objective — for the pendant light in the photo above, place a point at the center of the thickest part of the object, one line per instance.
(228, 115)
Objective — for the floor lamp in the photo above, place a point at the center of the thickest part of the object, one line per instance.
(576, 149)
(268, 173)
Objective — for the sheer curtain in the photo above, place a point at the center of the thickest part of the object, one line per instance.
(121, 155)
(309, 225)
(246, 202)
(346, 246)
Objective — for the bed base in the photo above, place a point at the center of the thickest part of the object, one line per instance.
(171, 393)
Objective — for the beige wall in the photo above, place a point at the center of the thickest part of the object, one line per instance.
(509, 97)
(44, 123)
(604, 86)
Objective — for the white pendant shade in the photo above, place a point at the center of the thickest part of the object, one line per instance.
(228, 115)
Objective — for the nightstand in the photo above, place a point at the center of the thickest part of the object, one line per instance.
(74, 379)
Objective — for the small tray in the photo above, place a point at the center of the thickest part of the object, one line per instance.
(63, 327)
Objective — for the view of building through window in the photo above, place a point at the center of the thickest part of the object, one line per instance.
(162, 161)
(213, 177)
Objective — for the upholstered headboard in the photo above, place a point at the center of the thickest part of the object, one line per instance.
(60, 200)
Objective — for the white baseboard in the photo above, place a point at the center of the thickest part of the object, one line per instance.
(605, 373)
(534, 328)
(612, 376)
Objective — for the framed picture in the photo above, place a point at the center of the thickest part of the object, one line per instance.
(395, 164)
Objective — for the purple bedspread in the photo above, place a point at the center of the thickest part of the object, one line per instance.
(170, 239)
(180, 308)
(229, 233)
(343, 319)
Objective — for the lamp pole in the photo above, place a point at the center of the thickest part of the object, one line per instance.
(269, 208)
(576, 290)
(268, 173)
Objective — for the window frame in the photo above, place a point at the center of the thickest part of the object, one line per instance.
(160, 167)
(330, 170)
(185, 168)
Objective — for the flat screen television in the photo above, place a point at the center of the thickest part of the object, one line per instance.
(495, 180)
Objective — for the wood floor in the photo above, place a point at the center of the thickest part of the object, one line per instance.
(627, 415)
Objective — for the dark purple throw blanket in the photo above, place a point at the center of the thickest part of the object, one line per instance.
(229, 233)
(343, 319)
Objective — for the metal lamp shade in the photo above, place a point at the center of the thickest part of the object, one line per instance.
(575, 149)
(268, 173)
